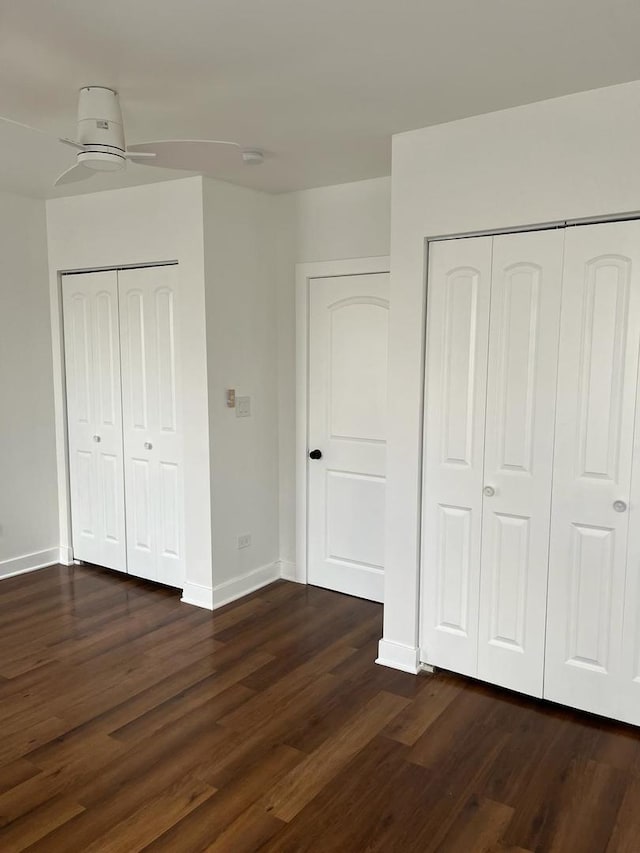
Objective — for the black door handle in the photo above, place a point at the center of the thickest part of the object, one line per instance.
(315, 454)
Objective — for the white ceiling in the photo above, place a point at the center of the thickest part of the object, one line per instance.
(319, 84)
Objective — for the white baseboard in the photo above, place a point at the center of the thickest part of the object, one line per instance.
(29, 563)
(288, 571)
(198, 595)
(66, 555)
(228, 591)
(399, 656)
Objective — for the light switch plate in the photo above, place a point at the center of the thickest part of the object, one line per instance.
(243, 407)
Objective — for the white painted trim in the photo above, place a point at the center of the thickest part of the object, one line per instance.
(228, 591)
(197, 595)
(288, 571)
(29, 563)
(66, 555)
(60, 410)
(305, 273)
(399, 656)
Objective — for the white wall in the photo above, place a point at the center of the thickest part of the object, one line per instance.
(571, 157)
(157, 222)
(330, 223)
(241, 304)
(28, 492)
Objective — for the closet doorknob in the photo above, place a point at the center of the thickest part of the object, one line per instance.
(620, 506)
(315, 454)
(97, 438)
(488, 491)
(148, 445)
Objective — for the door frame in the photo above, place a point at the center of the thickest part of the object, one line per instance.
(305, 275)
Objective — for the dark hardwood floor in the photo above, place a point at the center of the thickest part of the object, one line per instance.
(130, 721)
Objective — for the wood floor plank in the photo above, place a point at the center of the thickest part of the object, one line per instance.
(351, 814)
(588, 804)
(243, 747)
(285, 692)
(20, 743)
(625, 836)
(143, 776)
(39, 822)
(212, 818)
(247, 834)
(563, 783)
(224, 685)
(113, 715)
(302, 784)
(15, 773)
(479, 827)
(429, 704)
(142, 827)
(131, 721)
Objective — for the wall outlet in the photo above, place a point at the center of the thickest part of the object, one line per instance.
(244, 541)
(243, 407)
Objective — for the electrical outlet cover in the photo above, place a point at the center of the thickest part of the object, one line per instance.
(243, 407)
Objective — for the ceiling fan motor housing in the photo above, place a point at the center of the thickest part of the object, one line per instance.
(100, 129)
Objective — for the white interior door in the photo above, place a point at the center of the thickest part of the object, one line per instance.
(459, 286)
(596, 406)
(92, 363)
(521, 396)
(152, 423)
(348, 334)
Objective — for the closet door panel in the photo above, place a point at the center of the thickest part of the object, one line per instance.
(521, 392)
(596, 406)
(456, 368)
(78, 334)
(153, 444)
(92, 357)
(138, 351)
(629, 692)
(85, 506)
(135, 345)
(140, 520)
(167, 440)
(108, 414)
(629, 709)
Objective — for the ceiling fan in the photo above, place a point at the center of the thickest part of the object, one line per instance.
(100, 143)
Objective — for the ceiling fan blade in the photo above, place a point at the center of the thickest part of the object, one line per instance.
(139, 155)
(70, 142)
(207, 156)
(181, 141)
(77, 172)
(25, 126)
(62, 139)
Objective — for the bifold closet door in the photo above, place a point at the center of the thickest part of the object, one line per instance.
(151, 422)
(588, 662)
(526, 286)
(92, 363)
(459, 284)
(491, 362)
